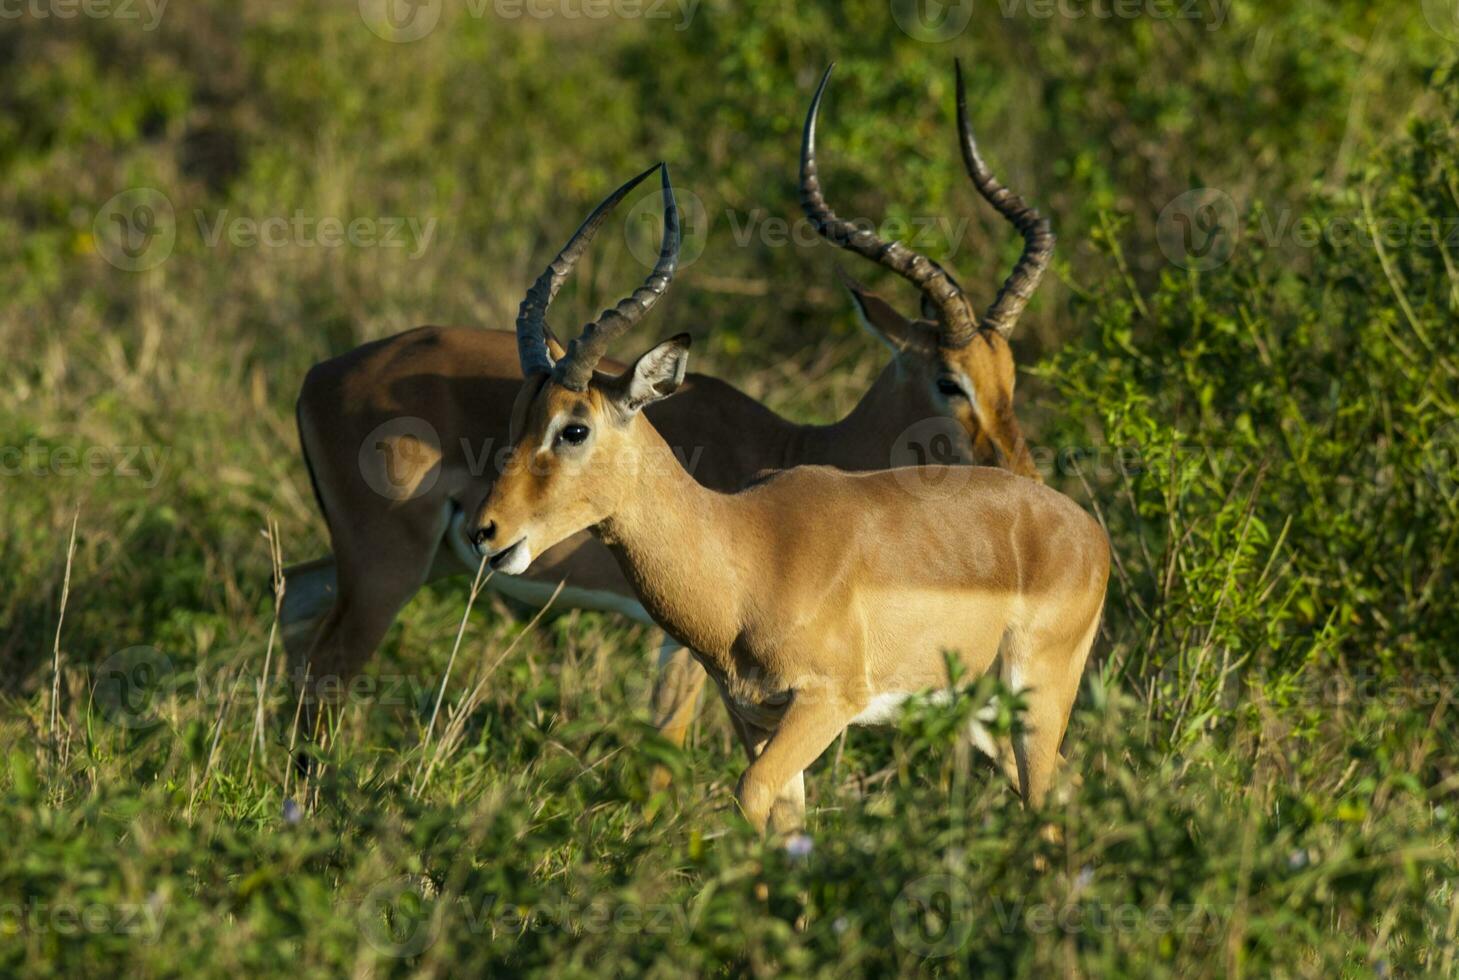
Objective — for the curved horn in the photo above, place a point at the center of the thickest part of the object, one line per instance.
(575, 370)
(1038, 235)
(532, 326)
(955, 312)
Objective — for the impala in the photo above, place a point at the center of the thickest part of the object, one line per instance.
(816, 598)
(399, 436)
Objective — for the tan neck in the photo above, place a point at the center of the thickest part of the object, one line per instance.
(672, 538)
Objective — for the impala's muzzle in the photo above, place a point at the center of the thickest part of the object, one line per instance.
(511, 560)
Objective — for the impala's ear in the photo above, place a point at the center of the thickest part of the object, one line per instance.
(884, 322)
(654, 376)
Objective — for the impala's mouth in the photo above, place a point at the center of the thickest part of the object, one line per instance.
(513, 559)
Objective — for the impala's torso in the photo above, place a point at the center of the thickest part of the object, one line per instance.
(857, 579)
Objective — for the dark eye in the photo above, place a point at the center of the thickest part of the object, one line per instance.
(574, 434)
(949, 387)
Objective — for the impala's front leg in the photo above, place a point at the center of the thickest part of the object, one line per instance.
(810, 724)
(787, 813)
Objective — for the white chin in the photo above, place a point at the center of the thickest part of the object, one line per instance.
(517, 561)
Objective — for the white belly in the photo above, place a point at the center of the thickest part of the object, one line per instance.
(884, 709)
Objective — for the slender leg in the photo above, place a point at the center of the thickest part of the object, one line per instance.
(1049, 706)
(675, 699)
(309, 592)
(807, 728)
(787, 813)
(369, 594)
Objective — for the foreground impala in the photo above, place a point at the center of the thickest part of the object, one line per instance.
(816, 598)
(400, 437)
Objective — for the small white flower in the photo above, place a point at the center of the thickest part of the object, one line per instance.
(292, 813)
(799, 845)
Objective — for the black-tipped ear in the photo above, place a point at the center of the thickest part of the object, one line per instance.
(654, 376)
(882, 319)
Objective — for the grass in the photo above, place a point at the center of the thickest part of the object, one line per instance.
(1266, 741)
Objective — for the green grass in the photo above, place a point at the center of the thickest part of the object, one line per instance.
(1268, 754)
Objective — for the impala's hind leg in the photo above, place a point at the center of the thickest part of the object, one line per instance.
(377, 574)
(1058, 669)
(675, 698)
(309, 592)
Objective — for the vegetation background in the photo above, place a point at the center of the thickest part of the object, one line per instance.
(1254, 386)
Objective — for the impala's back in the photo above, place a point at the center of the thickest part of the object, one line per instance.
(999, 561)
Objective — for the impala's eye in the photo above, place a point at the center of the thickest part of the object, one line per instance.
(574, 434)
(949, 387)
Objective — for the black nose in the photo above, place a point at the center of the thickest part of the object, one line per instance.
(484, 534)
